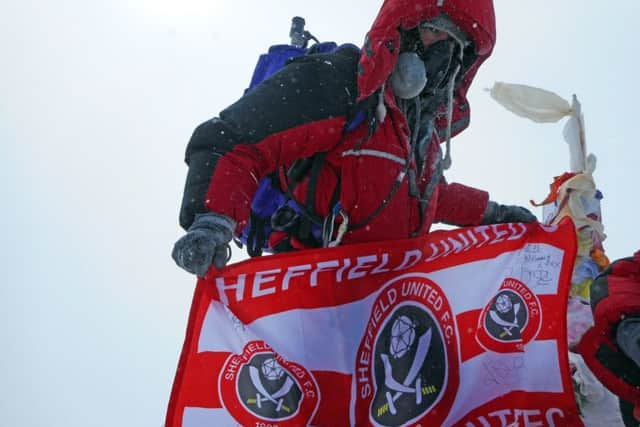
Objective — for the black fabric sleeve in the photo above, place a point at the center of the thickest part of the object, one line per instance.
(208, 143)
(309, 88)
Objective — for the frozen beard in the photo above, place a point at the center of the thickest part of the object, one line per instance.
(409, 76)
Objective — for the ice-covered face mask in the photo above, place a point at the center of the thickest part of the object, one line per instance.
(426, 61)
(409, 78)
(439, 62)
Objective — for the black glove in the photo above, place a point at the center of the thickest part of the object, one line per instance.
(206, 242)
(500, 214)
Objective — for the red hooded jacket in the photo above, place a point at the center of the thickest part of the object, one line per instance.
(365, 164)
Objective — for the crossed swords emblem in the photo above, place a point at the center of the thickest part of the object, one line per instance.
(424, 343)
(506, 325)
(263, 395)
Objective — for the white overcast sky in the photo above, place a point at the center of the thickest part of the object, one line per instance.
(97, 102)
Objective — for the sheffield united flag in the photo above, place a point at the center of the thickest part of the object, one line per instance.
(458, 328)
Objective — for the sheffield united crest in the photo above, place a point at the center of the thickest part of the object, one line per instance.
(258, 386)
(511, 319)
(407, 365)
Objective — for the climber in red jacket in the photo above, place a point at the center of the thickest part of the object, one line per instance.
(373, 122)
(611, 348)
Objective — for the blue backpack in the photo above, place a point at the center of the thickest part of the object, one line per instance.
(272, 207)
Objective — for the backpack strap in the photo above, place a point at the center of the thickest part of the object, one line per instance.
(259, 226)
(256, 236)
(309, 216)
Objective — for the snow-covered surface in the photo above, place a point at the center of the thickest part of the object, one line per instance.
(97, 101)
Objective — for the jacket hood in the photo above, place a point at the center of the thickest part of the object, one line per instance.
(475, 18)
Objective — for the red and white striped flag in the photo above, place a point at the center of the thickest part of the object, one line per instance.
(458, 328)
